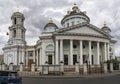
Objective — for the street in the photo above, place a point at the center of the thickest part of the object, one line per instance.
(115, 79)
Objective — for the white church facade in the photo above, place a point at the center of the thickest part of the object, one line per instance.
(78, 41)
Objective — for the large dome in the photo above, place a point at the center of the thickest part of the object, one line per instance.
(74, 17)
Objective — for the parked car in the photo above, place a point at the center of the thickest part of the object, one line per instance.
(10, 77)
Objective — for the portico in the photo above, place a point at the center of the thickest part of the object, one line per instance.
(85, 50)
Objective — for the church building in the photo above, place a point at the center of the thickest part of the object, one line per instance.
(78, 41)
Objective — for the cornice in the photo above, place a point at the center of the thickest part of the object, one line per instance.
(81, 34)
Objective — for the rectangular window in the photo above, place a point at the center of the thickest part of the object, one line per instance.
(65, 59)
(91, 47)
(84, 59)
(49, 59)
(14, 33)
(74, 59)
(92, 59)
(83, 46)
(30, 53)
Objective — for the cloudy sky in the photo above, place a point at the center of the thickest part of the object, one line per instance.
(38, 12)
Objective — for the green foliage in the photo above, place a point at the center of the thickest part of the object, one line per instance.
(115, 63)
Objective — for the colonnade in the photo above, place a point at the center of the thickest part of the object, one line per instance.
(59, 48)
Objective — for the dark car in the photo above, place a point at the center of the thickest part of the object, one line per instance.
(10, 77)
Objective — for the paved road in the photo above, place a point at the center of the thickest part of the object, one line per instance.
(114, 79)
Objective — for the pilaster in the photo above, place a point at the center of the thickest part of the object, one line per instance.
(57, 52)
(71, 52)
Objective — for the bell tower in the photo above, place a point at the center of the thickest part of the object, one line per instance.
(14, 50)
(17, 30)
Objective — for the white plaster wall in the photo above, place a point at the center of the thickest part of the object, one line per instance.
(44, 56)
(13, 58)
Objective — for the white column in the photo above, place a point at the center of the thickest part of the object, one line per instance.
(27, 58)
(98, 53)
(43, 54)
(61, 50)
(108, 53)
(40, 57)
(90, 53)
(105, 52)
(71, 52)
(56, 52)
(34, 56)
(37, 57)
(81, 52)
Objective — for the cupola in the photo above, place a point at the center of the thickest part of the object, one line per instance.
(74, 17)
(106, 28)
(50, 26)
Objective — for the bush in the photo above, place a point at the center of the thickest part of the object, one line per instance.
(115, 64)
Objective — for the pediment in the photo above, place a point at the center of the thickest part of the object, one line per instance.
(86, 30)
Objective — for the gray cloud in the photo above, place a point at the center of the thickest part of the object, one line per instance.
(37, 13)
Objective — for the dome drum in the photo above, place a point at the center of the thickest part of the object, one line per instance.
(75, 18)
(73, 15)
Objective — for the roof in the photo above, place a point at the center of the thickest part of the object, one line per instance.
(72, 13)
(18, 14)
(106, 28)
(75, 11)
(50, 24)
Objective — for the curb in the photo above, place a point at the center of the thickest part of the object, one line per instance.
(74, 76)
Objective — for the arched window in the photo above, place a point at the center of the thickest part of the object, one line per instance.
(14, 33)
(15, 21)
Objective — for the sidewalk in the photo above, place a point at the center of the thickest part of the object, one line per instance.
(76, 76)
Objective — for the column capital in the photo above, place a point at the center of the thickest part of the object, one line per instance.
(80, 40)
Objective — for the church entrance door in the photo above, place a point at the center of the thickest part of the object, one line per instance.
(30, 61)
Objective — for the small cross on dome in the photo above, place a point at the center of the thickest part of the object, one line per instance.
(50, 20)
